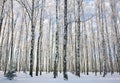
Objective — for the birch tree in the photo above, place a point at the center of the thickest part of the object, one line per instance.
(65, 42)
(57, 43)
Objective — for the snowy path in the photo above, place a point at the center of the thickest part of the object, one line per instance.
(48, 78)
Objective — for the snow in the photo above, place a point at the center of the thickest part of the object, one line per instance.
(48, 78)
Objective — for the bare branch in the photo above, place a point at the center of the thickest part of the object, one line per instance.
(27, 10)
(81, 21)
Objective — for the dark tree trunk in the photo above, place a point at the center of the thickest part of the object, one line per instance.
(65, 42)
(1, 15)
(32, 40)
(57, 44)
(78, 41)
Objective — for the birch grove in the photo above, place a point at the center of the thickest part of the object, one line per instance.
(74, 36)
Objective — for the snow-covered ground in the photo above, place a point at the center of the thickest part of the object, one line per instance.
(48, 78)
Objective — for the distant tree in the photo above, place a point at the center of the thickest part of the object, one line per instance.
(94, 53)
(86, 42)
(7, 48)
(12, 34)
(103, 40)
(116, 29)
(98, 34)
(39, 41)
(2, 4)
(109, 48)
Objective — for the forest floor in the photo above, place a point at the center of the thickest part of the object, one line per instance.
(48, 78)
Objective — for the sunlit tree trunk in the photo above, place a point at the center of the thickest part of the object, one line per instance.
(98, 36)
(94, 51)
(7, 48)
(12, 34)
